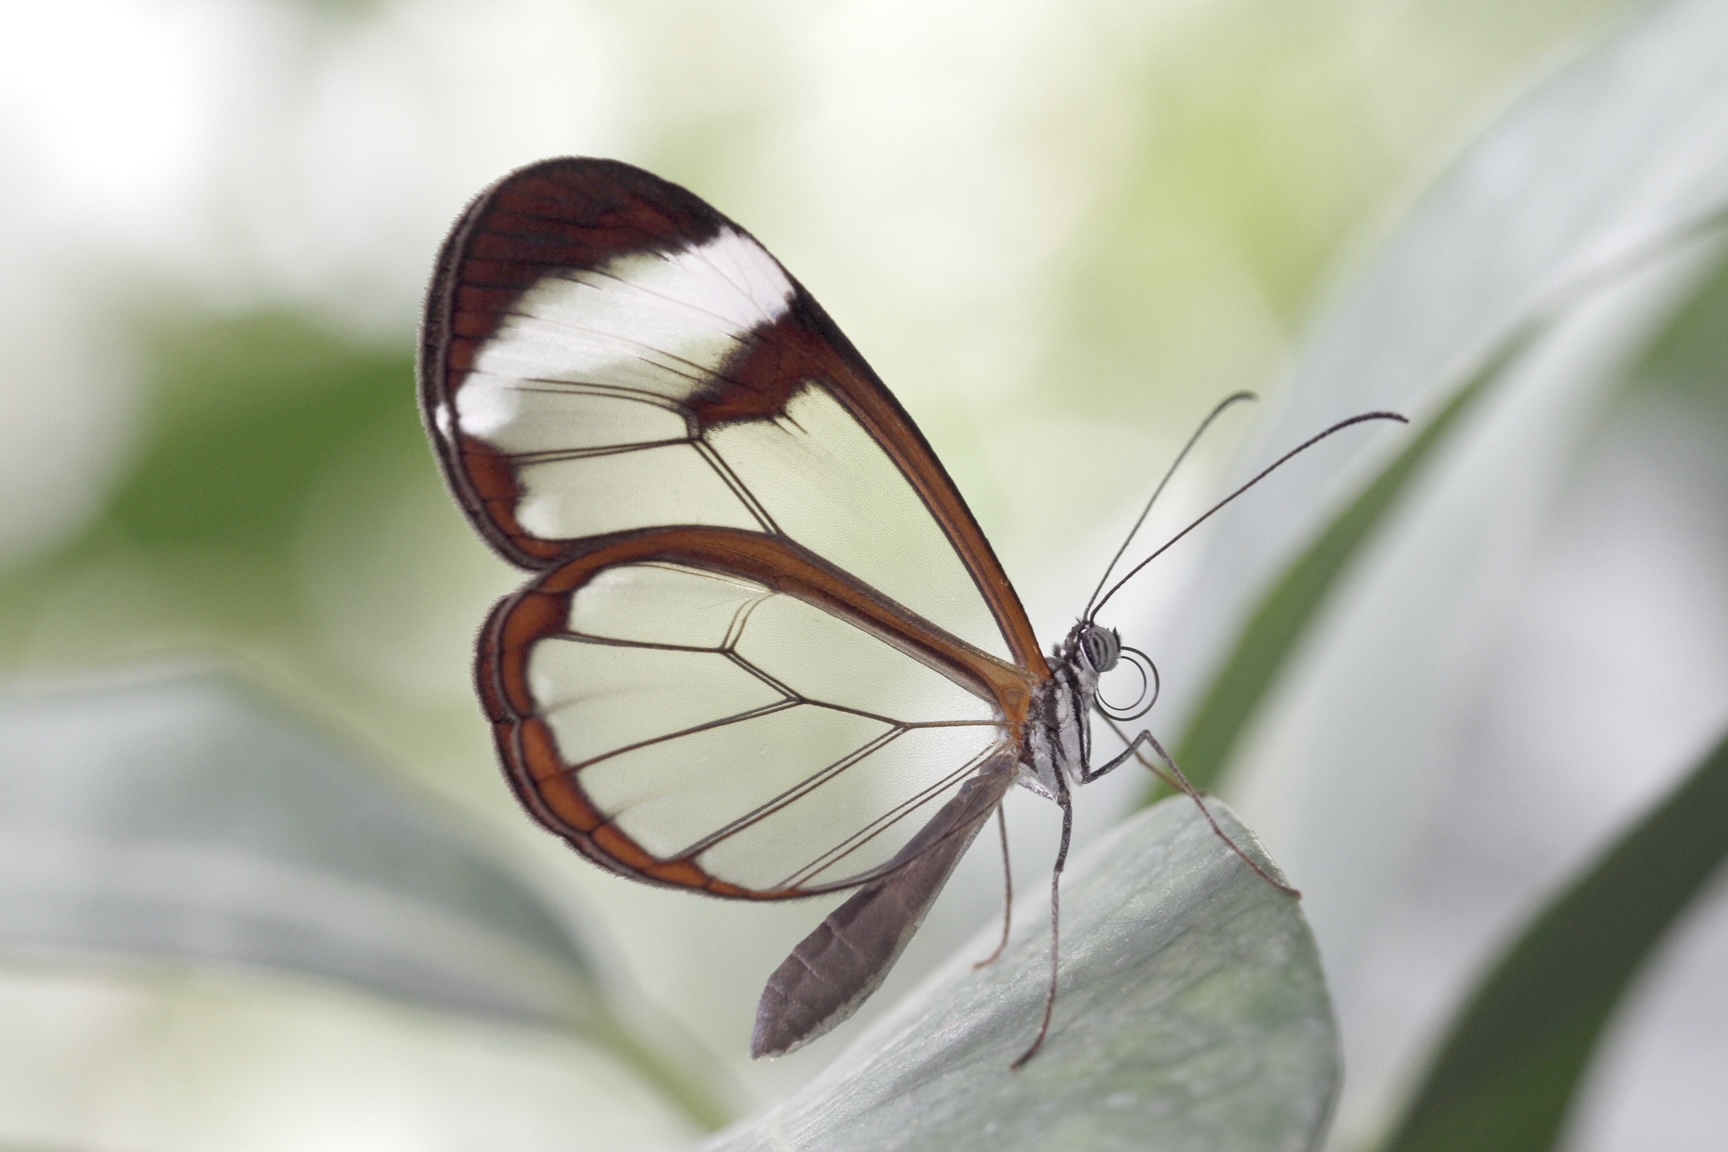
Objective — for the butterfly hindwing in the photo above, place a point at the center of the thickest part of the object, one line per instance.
(708, 708)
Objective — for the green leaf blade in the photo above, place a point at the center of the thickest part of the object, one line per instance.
(1506, 1075)
(182, 821)
(1281, 619)
(1602, 169)
(190, 822)
(1192, 1013)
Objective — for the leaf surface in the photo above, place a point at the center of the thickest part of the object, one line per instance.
(182, 820)
(1192, 1014)
(1504, 1077)
(1614, 163)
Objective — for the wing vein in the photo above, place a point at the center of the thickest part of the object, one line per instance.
(681, 366)
(564, 455)
(739, 489)
(884, 822)
(797, 791)
(665, 738)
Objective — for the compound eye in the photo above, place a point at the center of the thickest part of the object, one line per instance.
(1100, 648)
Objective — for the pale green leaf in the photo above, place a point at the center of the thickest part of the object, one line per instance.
(182, 820)
(1613, 162)
(1192, 1014)
(1352, 608)
(1504, 1078)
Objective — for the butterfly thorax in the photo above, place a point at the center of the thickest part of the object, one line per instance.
(1057, 744)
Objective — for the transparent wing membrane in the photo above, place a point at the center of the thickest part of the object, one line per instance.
(768, 741)
(596, 406)
(767, 639)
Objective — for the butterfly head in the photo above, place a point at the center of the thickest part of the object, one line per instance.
(1092, 650)
(1098, 647)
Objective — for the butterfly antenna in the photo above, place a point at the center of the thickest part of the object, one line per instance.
(1259, 476)
(1233, 398)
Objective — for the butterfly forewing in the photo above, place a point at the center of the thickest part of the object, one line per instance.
(607, 354)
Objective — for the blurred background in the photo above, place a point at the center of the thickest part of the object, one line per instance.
(1060, 231)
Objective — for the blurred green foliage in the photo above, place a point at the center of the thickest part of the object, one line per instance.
(1508, 1072)
(1506, 1076)
(244, 418)
(246, 413)
(1271, 635)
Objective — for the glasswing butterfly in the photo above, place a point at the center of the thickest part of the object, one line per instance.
(766, 652)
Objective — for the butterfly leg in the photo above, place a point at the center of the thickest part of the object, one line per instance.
(1007, 893)
(1063, 799)
(1176, 779)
